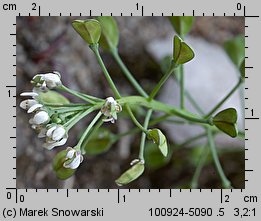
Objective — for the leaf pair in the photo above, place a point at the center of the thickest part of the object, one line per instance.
(182, 53)
(182, 24)
(226, 121)
(104, 30)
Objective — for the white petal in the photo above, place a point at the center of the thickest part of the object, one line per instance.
(70, 153)
(52, 80)
(75, 163)
(58, 133)
(34, 108)
(28, 94)
(110, 100)
(56, 144)
(50, 131)
(41, 117)
(26, 104)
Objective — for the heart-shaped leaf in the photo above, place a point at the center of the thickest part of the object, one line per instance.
(110, 32)
(89, 30)
(60, 171)
(235, 49)
(182, 24)
(182, 53)
(131, 174)
(159, 139)
(226, 121)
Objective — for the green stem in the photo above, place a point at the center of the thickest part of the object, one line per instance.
(159, 106)
(127, 73)
(182, 88)
(94, 99)
(67, 105)
(79, 144)
(201, 162)
(93, 131)
(143, 136)
(69, 124)
(161, 82)
(70, 109)
(95, 49)
(75, 93)
(135, 121)
(225, 182)
(224, 99)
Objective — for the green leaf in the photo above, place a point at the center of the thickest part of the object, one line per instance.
(153, 157)
(159, 138)
(182, 24)
(110, 32)
(242, 70)
(60, 171)
(89, 30)
(99, 143)
(52, 97)
(235, 49)
(226, 121)
(131, 174)
(182, 53)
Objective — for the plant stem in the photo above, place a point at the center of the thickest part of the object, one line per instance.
(69, 124)
(75, 93)
(182, 87)
(159, 106)
(70, 109)
(135, 121)
(95, 119)
(67, 105)
(224, 99)
(161, 82)
(225, 182)
(201, 162)
(92, 132)
(95, 49)
(127, 73)
(143, 136)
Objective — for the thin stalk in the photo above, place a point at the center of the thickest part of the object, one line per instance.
(159, 106)
(69, 124)
(225, 182)
(70, 109)
(143, 136)
(95, 49)
(67, 105)
(95, 99)
(224, 99)
(200, 164)
(135, 121)
(161, 82)
(95, 119)
(92, 132)
(127, 73)
(182, 87)
(75, 93)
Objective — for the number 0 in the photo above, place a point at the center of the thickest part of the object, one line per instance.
(239, 6)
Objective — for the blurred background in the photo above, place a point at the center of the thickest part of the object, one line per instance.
(50, 43)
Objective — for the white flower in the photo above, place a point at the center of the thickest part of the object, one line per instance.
(56, 135)
(41, 117)
(27, 104)
(73, 158)
(47, 81)
(110, 109)
(34, 108)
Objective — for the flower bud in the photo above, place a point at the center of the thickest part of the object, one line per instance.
(40, 117)
(73, 158)
(27, 104)
(110, 109)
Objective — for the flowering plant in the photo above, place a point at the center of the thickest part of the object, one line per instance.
(54, 115)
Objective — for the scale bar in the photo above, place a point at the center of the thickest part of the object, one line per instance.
(252, 118)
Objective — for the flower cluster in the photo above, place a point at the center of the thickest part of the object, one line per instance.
(41, 121)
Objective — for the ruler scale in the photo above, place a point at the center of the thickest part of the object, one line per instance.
(130, 204)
